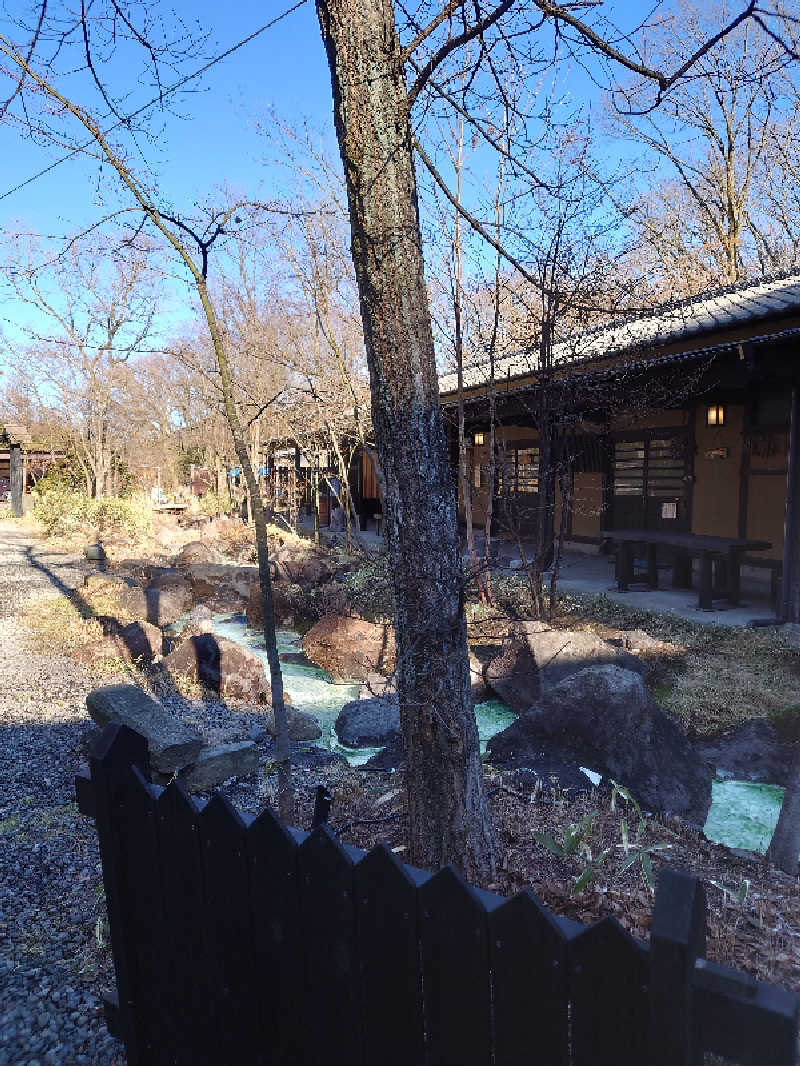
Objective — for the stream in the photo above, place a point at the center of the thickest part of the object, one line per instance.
(743, 814)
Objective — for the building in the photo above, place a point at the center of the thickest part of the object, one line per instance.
(681, 420)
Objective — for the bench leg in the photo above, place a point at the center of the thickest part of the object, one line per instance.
(624, 566)
(706, 582)
(681, 570)
(734, 578)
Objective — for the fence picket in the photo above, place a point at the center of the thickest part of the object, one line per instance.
(608, 992)
(278, 937)
(455, 968)
(114, 753)
(677, 938)
(528, 955)
(229, 934)
(238, 941)
(184, 917)
(332, 1028)
(137, 828)
(388, 946)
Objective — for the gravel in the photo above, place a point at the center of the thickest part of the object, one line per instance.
(54, 961)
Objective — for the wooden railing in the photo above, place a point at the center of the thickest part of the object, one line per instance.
(239, 941)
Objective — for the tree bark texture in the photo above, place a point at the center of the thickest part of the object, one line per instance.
(449, 816)
(784, 847)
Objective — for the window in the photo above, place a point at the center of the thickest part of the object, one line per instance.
(518, 471)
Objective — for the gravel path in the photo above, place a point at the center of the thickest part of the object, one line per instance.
(53, 963)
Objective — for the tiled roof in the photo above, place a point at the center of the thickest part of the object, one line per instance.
(702, 315)
(14, 433)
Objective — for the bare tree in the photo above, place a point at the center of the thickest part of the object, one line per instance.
(90, 319)
(722, 137)
(193, 243)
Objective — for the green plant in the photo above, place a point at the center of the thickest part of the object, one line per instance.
(576, 842)
(633, 846)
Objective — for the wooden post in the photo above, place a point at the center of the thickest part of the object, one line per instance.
(790, 594)
(17, 480)
(677, 939)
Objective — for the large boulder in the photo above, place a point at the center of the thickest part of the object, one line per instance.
(350, 648)
(602, 717)
(753, 751)
(159, 604)
(197, 551)
(207, 579)
(514, 676)
(302, 725)
(136, 642)
(302, 566)
(537, 658)
(219, 763)
(170, 742)
(285, 601)
(169, 596)
(222, 665)
(368, 723)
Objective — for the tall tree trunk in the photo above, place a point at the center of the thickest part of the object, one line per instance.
(784, 847)
(449, 816)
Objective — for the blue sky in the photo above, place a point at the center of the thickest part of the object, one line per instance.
(216, 140)
(284, 68)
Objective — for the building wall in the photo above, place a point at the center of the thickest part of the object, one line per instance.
(587, 505)
(715, 492)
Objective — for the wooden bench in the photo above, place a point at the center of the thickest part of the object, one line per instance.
(720, 554)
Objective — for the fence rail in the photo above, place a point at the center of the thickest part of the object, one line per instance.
(239, 941)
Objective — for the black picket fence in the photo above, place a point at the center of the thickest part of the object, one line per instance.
(239, 941)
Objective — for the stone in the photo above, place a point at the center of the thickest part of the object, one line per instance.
(108, 594)
(95, 553)
(547, 774)
(302, 566)
(225, 667)
(207, 579)
(302, 725)
(392, 757)
(539, 657)
(136, 642)
(638, 640)
(602, 717)
(368, 723)
(752, 751)
(197, 551)
(376, 685)
(350, 648)
(171, 743)
(219, 763)
(168, 596)
(514, 676)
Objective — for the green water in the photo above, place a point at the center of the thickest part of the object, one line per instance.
(743, 814)
(311, 689)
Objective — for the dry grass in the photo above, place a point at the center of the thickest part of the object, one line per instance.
(54, 621)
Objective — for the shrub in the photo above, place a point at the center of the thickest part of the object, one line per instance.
(64, 511)
(61, 510)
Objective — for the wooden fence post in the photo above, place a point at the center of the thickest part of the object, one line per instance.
(116, 751)
(17, 480)
(677, 939)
